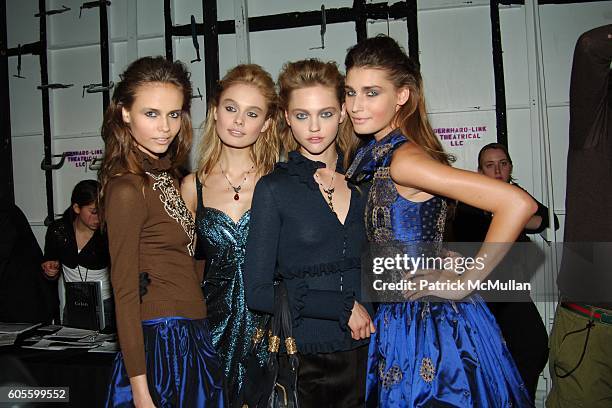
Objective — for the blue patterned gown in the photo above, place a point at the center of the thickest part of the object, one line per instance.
(221, 241)
(428, 353)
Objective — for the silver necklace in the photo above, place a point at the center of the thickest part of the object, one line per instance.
(239, 186)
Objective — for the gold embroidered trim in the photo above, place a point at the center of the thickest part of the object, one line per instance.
(427, 371)
(389, 377)
(175, 206)
(273, 344)
(258, 335)
(290, 345)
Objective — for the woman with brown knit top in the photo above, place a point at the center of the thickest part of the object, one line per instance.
(166, 358)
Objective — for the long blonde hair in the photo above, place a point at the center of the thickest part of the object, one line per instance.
(385, 53)
(311, 72)
(265, 151)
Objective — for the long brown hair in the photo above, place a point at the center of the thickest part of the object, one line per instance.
(385, 53)
(119, 149)
(310, 72)
(265, 151)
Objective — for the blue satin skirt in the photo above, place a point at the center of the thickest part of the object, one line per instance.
(442, 354)
(182, 366)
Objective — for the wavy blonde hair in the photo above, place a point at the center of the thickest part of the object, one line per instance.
(266, 150)
(311, 72)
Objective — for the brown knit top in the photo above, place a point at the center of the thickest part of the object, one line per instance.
(150, 230)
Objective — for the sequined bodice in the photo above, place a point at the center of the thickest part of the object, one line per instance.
(389, 216)
(222, 242)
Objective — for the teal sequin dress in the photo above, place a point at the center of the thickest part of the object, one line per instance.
(221, 241)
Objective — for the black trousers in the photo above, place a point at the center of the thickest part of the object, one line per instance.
(526, 338)
(333, 380)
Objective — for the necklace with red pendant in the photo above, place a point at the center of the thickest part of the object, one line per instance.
(239, 186)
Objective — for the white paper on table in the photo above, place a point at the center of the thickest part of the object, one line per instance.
(8, 339)
(72, 333)
(46, 344)
(17, 328)
(106, 347)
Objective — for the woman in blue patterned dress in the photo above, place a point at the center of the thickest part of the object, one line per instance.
(239, 145)
(440, 347)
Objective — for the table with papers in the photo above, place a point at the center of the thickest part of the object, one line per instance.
(55, 356)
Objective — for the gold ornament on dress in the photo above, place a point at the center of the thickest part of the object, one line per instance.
(389, 377)
(258, 335)
(427, 371)
(174, 206)
(290, 345)
(274, 344)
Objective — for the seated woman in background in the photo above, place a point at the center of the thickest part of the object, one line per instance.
(75, 245)
(520, 321)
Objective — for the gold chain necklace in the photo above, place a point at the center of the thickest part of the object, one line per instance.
(239, 187)
(330, 190)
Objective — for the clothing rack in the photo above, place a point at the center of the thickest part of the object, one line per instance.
(210, 28)
(40, 48)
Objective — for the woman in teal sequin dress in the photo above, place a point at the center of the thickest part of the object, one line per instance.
(239, 145)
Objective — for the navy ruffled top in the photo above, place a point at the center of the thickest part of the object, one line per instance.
(296, 238)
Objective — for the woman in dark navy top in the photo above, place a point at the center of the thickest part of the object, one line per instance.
(519, 320)
(307, 230)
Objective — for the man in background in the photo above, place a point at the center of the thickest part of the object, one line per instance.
(25, 295)
(580, 360)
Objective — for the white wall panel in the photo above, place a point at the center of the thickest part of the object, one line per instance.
(514, 47)
(183, 9)
(185, 52)
(117, 16)
(398, 29)
(21, 25)
(271, 49)
(448, 4)
(561, 26)
(29, 179)
(150, 17)
(225, 10)
(521, 148)
(227, 53)
(67, 28)
(456, 58)
(26, 105)
(558, 123)
(463, 134)
(151, 47)
(74, 114)
(120, 63)
(266, 7)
